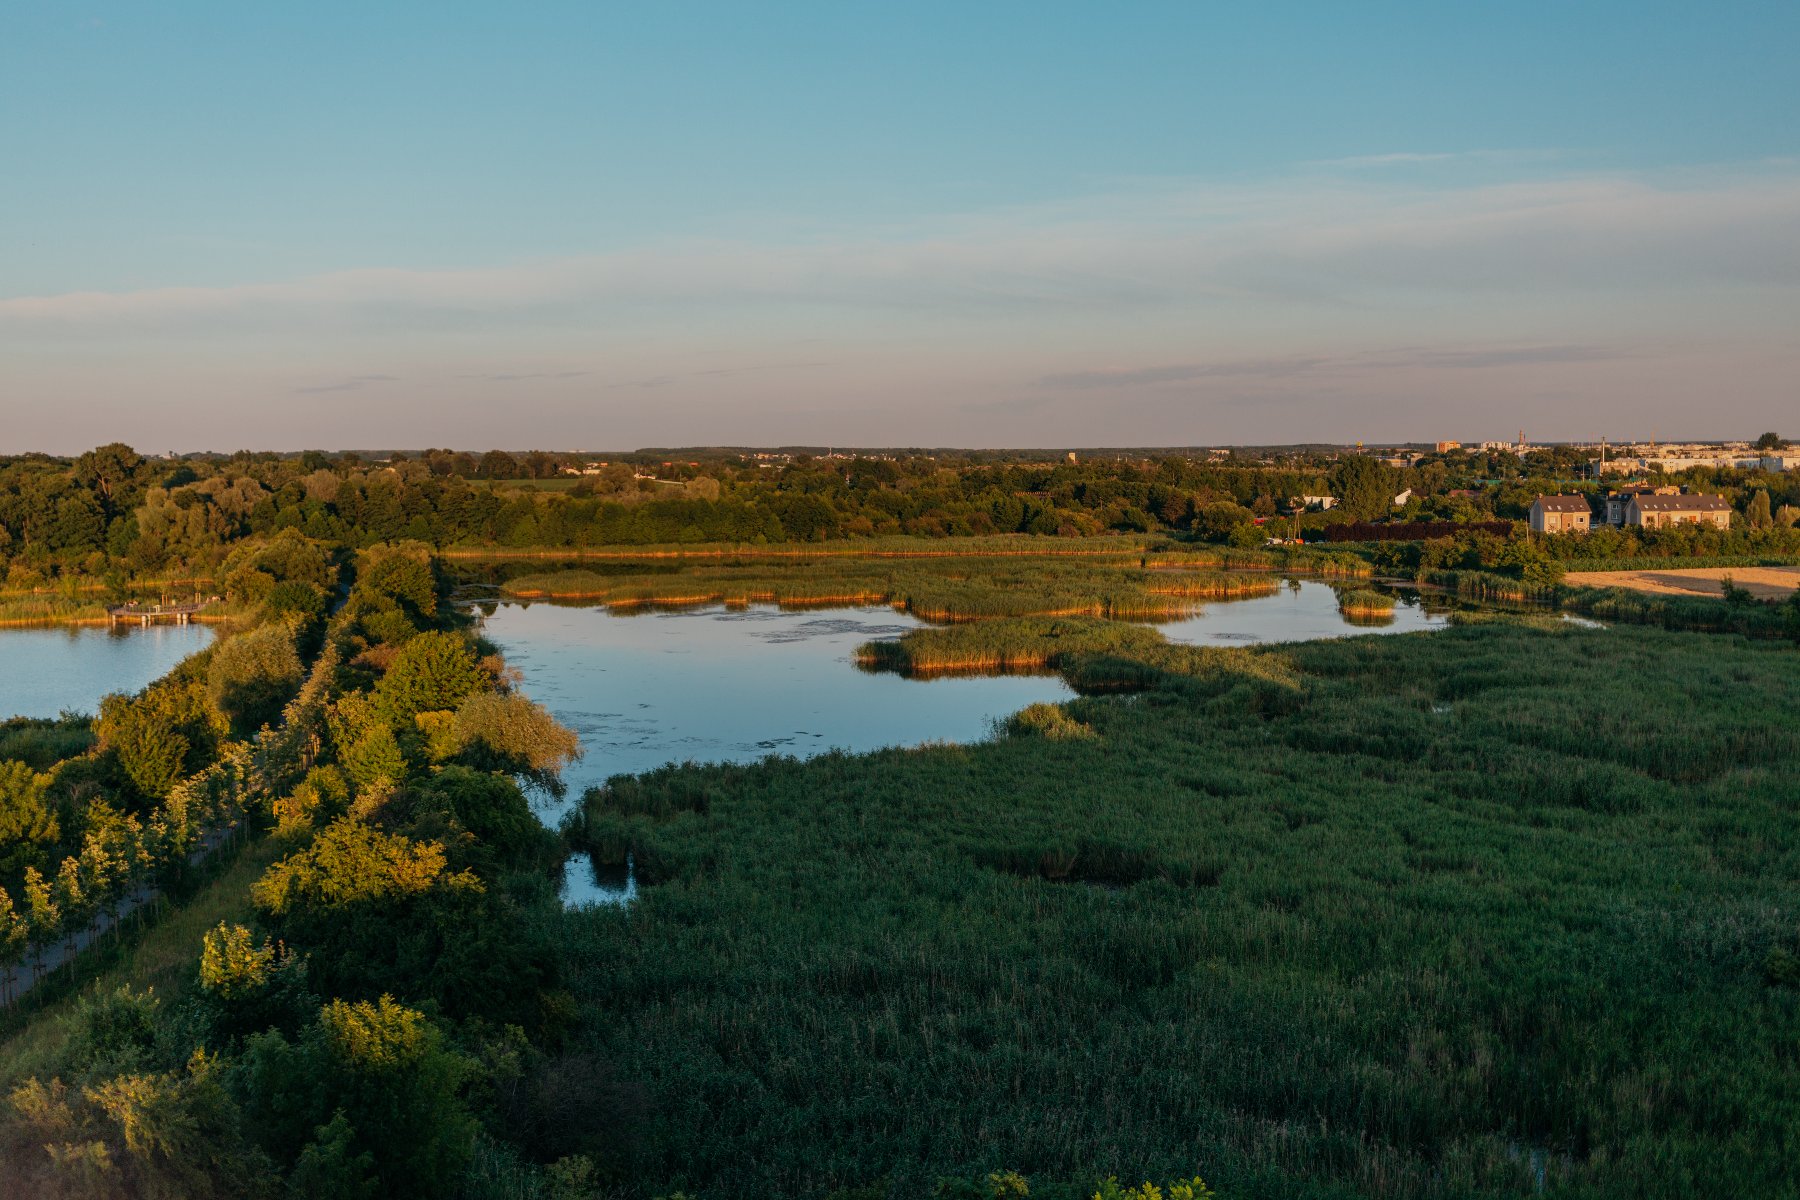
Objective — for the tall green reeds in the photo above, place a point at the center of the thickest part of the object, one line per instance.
(1457, 915)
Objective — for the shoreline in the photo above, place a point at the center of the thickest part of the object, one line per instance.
(101, 621)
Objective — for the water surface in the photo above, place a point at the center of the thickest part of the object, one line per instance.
(46, 671)
(1302, 611)
(719, 685)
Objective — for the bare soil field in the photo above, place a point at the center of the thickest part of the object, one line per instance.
(1765, 583)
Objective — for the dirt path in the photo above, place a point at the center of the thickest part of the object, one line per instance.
(1765, 583)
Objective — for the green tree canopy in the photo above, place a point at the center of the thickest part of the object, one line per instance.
(250, 676)
(352, 862)
(28, 825)
(161, 736)
(369, 1094)
(433, 672)
(1364, 487)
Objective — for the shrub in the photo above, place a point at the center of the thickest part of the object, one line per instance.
(252, 675)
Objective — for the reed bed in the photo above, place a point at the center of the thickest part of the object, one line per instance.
(1006, 546)
(1705, 614)
(1001, 646)
(1365, 602)
(1288, 560)
(948, 593)
(1491, 912)
(28, 610)
(1214, 585)
(1485, 585)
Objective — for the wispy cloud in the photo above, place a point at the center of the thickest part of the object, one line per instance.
(1412, 158)
(354, 383)
(522, 376)
(1360, 303)
(1319, 242)
(1289, 367)
(658, 381)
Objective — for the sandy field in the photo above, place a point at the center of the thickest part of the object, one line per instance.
(1765, 583)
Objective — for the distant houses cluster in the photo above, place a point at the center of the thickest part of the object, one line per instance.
(1648, 508)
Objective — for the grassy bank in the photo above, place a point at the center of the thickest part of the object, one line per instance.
(1403, 916)
(20, 612)
(1007, 546)
(960, 590)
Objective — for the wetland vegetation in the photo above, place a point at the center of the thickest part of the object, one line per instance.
(1504, 910)
(1387, 916)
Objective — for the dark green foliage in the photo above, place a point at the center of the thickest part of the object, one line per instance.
(368, 1092)
(252, 675)
(168, 732)
(404, 578)
(1414, 917)
(433, 672)
(331, 1167)
(28, 824)
(492, 810)
(42, 743)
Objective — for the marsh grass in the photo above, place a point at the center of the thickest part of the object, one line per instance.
(1466, 914)
(947, 591)
(1366, 604)
(1287, 560)
(21, 611)
(1003, 546)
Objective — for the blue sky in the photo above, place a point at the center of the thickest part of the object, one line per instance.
(996, 224)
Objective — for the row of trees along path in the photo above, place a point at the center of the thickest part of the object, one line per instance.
(122, 872)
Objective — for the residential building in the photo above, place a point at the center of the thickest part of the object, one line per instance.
(1561, 514)
(1616, 501)
(1660, 512)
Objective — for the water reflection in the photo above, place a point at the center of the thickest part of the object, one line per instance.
(44, 672)
(1302, 611)
(587, 884)
(719, 685)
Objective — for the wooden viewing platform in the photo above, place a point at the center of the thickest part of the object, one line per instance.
(148, 614)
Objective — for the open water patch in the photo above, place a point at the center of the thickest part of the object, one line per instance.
(1305, 610)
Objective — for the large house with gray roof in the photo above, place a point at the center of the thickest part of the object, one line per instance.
(1561, 514)
(1660, 512)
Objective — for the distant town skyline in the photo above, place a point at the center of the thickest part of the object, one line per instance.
(1014, 226)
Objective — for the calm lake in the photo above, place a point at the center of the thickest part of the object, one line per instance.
(45, 671)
